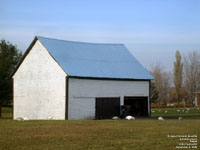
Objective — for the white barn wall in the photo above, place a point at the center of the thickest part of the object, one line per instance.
(82, 94)
(39, 86)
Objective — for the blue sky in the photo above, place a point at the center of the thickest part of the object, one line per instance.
(152, 29)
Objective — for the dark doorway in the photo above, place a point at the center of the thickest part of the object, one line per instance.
(106, 108)
(139, 105)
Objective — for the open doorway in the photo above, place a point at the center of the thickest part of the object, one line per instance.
(139, 105)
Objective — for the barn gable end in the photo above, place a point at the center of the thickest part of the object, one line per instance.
(39, 86)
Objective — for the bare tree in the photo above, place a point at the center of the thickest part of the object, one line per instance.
(162, 83)
(178, 71)
(191, 75)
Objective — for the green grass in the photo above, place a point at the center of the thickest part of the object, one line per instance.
(6, 113)
(93, 134)
(172, 113)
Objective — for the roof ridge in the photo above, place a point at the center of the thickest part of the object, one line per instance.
(79, 41)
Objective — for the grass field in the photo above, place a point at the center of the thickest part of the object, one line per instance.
(174, 113)
(94, 134)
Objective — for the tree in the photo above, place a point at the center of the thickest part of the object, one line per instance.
(162, 83)
(154, 93)
(9, 57)
(178, 71)
(173, 94)
(191, 67)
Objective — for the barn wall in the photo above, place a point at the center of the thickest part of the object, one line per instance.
(82, 93)
(39, 86)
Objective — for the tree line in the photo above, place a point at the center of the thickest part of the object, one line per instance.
(180, 86)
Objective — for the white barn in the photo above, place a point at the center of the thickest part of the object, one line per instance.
(76, 80)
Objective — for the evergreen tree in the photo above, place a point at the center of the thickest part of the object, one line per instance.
(9, 57)
(154, 93)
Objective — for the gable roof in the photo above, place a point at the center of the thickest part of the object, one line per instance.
(95, 60)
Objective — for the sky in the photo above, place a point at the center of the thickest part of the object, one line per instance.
(151, 29)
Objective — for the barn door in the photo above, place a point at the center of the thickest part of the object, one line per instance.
(106, 108)
(139, 105)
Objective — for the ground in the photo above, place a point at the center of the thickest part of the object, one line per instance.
(174, 113)
(94, 134)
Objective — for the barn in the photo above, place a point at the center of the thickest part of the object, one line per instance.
(61, 79)
(197, 99)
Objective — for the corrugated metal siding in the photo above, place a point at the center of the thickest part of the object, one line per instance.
(95, 60)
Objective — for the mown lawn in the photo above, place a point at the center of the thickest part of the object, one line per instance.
(174, 113)
(94, 134)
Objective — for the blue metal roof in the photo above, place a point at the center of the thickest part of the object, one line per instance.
(95, 60)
